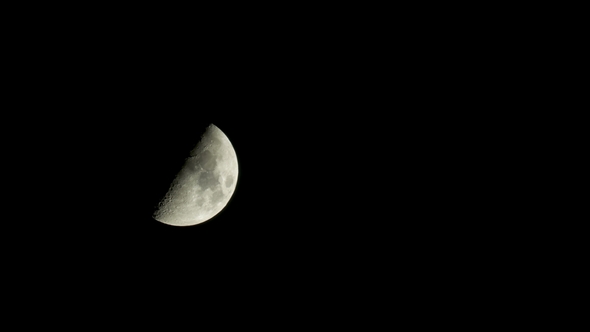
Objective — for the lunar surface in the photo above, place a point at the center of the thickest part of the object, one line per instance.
(204, 185)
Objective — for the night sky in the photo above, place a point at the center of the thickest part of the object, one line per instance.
(315, 146)
(348, 163)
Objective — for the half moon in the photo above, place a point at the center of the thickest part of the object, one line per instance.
(205, 183)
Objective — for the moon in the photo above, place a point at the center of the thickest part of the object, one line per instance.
(205, 183)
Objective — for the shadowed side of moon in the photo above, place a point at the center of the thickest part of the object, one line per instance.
(204, 185)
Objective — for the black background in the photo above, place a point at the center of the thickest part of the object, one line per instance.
(351, 175)
(114, 112)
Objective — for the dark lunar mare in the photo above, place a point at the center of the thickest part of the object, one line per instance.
(208, 179)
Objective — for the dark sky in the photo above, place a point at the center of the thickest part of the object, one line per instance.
(343, 165)
(316, 149)
(307, 187)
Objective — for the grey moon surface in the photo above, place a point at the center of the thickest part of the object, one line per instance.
(205, 183)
